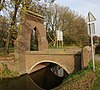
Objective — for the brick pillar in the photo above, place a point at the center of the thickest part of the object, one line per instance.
(86, 56)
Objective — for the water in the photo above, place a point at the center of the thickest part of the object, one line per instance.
(43, 79)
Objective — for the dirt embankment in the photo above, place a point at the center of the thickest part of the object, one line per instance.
(83, 83)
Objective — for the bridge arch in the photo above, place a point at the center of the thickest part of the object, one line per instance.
(48, 61)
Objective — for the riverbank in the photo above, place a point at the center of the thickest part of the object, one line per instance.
(83, 80)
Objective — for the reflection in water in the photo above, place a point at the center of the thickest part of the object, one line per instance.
(44, 78)
(20, 83)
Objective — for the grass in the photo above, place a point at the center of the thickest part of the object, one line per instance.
(6, 73)
(79, 74)
(80, 77)
(3, 51)
(96, 85)
(73, 78)
(65, 47)
(98, 54)
(3, 54)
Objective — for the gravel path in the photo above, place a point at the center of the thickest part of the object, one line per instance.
(97, 57)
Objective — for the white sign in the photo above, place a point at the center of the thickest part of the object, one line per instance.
(91, 29)
(59, 35)
(91, 17)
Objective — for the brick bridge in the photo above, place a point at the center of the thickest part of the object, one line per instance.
(70, 62)
(31, 61)
(28, 61)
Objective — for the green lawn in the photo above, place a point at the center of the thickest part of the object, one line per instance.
(96, 85)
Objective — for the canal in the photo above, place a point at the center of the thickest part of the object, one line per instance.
(45, 79)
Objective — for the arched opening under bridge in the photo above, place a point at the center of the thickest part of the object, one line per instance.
(48, 77)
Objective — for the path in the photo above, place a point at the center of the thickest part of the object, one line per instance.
(97, 57)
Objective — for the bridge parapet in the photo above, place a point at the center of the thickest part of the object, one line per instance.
(55, 51)
(70, 62)
(86, 56)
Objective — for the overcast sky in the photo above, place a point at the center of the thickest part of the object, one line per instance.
(83, 7)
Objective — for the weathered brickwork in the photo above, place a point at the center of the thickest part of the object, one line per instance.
(26, 60)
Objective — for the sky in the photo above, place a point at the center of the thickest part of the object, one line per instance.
(83, 7)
